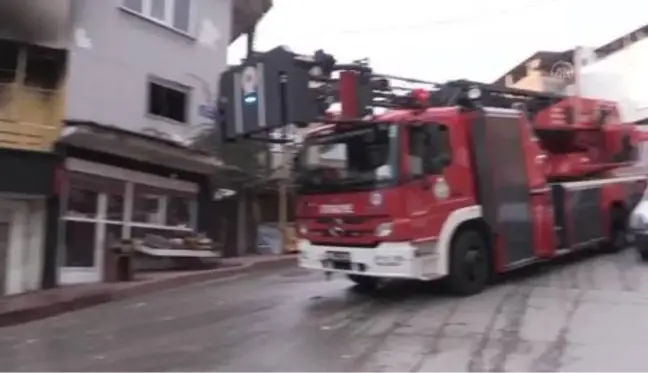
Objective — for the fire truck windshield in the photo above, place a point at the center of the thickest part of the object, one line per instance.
(348, 159)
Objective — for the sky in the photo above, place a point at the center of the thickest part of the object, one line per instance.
(441, 40)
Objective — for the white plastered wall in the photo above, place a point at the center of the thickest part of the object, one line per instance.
(26, 239)
(620, 77)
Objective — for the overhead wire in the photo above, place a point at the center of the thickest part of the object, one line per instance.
(440, 22)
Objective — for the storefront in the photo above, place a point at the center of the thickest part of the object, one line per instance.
(26, 240)
(115, 190)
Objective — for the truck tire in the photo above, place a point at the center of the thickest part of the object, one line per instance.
(470, 264)
(618, 239)
(365, 283)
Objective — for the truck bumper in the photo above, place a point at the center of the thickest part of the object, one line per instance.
(398, 260)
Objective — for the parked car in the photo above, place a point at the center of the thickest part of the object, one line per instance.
(639, 228)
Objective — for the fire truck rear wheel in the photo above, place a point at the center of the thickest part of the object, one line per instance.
(618, 239)
(470, 266)
(366, 283)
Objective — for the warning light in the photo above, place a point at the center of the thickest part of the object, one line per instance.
(250, 99)
(421, 97)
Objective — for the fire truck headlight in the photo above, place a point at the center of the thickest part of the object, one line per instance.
(384, 229)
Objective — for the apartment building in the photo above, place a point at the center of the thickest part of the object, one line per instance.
(138, 82)
(612, 71)
(32, 90)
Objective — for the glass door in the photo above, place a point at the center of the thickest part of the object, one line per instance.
(91, 212)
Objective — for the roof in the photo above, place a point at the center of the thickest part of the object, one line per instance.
(549, 58)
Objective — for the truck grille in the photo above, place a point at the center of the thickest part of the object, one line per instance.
(351, 220)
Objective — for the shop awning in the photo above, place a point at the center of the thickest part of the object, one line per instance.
(141, 147)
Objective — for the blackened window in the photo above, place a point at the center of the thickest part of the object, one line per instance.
(45, 67)
(9, 62)
(168, 102)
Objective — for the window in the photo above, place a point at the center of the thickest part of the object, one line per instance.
(79, 241)
(173, 13)
(167, 102)
(430, 150)
(82, 203)
(179, 211)
(44, 67)
(9, 61)
(417, 147)
(148, 206)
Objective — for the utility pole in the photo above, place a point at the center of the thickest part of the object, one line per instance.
(251, 33)
(242, 216)
(283, 192)
(283, 158)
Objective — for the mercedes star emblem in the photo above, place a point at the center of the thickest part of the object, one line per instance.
(336, 231)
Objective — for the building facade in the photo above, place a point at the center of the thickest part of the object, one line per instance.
(139, 83)
(32, 90)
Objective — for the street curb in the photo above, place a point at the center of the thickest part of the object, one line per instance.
(102, 296)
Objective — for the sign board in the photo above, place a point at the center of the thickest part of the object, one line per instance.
(266, 92)
(208, 111)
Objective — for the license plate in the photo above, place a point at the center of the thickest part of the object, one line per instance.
(338, 255)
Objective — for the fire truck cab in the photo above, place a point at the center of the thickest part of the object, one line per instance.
(457, 182)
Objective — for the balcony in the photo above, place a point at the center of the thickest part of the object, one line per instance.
(31, 95)
(29, 117)
(40, 22)
(246, 13)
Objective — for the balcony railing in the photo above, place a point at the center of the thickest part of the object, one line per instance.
(30, 118)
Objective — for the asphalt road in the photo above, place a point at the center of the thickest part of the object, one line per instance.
(585, 315)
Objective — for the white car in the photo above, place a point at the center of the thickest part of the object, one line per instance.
(638, 225)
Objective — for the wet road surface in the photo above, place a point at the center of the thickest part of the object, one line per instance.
(589, 314)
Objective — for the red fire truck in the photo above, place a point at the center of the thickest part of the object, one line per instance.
(458, 182)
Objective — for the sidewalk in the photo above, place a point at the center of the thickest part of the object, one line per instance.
(20, 308)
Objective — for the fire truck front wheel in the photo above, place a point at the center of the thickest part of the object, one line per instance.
(469, 263)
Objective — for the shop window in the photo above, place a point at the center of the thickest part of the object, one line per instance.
(115, 208)
(79, 244)
(82, 203)
(160, 207)
(179, 212)
(147, 208)
(113, 234)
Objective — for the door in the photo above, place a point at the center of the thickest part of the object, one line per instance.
(83, 240)
(502, 183)
(427, 157)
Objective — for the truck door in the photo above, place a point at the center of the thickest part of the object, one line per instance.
(502, 183)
